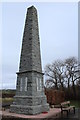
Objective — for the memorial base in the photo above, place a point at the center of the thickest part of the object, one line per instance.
(29, 105)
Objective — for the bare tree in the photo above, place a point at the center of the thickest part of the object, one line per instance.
(52, 76)
(64, 75)
(71, 72)
(55, 73)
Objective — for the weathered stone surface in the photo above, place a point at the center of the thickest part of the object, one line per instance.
(30, 54)
(28, 110)
(30, 97)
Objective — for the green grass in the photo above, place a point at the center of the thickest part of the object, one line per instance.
(6, 100)
(76, 103)
(8, 91)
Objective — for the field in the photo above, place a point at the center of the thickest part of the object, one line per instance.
(6, 100)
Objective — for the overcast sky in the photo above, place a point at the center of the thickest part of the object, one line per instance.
(58, 30)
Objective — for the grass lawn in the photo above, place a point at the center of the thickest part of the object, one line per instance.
(76, 103)
(6, 100)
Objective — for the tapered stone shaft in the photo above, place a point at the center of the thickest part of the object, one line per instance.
(30, 55)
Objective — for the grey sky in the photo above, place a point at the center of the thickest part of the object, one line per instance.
(58, 28)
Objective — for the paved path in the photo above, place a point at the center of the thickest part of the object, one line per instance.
(53, 113)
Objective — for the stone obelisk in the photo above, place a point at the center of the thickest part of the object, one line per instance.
(30, 98)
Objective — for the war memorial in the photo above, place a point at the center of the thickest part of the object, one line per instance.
(30, 98)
